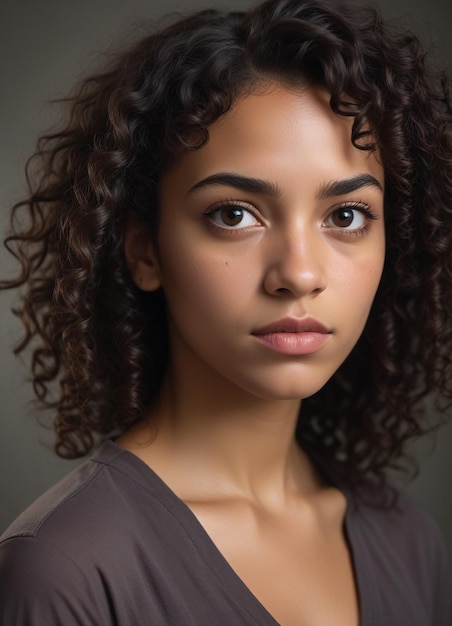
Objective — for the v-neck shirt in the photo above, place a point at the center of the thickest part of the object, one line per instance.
(112, 545)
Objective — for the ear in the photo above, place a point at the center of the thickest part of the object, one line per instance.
(140, 256)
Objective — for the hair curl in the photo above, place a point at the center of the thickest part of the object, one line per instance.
(104, 340)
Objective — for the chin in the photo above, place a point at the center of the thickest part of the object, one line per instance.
(298, 389)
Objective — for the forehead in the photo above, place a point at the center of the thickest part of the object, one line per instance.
(290, 136)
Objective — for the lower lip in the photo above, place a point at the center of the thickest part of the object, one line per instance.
(294, 343)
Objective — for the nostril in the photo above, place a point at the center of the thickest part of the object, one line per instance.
(283, 290)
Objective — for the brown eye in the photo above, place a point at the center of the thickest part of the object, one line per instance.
(343, 217)
(232, 216)
(349, 218)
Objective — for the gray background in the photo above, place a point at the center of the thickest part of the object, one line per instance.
(44, 47)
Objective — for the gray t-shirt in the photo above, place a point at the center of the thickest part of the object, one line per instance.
(111, 544)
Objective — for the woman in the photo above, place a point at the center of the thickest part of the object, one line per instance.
(237, 266)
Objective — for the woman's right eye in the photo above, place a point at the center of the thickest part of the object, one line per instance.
(232, 216)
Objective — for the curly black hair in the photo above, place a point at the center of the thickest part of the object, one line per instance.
(104, 341)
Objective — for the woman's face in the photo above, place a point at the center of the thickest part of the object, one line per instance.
(271, 246)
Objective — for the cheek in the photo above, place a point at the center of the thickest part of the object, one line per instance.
(357, 279)
(366, 288)
(208, 284)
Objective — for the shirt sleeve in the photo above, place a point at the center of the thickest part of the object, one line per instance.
(39, 585)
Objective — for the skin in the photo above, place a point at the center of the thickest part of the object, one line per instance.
(221, 433)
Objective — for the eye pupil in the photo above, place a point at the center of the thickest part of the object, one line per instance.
(343, 217)
(232, 216)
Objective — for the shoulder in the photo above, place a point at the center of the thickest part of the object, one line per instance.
(40, 584)
(59, 557)
(42, 557)
(100, 497)
(402, 551)
(77, 503)
(404, 527)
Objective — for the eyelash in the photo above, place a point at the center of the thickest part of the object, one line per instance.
(228, 204)
(362, 207)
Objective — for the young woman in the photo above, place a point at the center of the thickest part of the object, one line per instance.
(236, 262)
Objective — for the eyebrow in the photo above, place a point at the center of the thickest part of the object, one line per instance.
(254, 185)
(342, 187)
(265, 187)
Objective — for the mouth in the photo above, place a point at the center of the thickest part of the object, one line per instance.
(294, 325)
(294, 336)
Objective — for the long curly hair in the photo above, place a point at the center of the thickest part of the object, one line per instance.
(98, 343)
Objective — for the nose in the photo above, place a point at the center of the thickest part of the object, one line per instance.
(296, 265)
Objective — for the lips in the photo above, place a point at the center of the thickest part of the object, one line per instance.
(292, 336)
(293, 325)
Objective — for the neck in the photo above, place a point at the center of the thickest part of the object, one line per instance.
(217, 438)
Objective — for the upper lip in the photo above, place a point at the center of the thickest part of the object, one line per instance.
(293, 325)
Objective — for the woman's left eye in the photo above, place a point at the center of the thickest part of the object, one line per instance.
(232, 216)
(352, 218)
